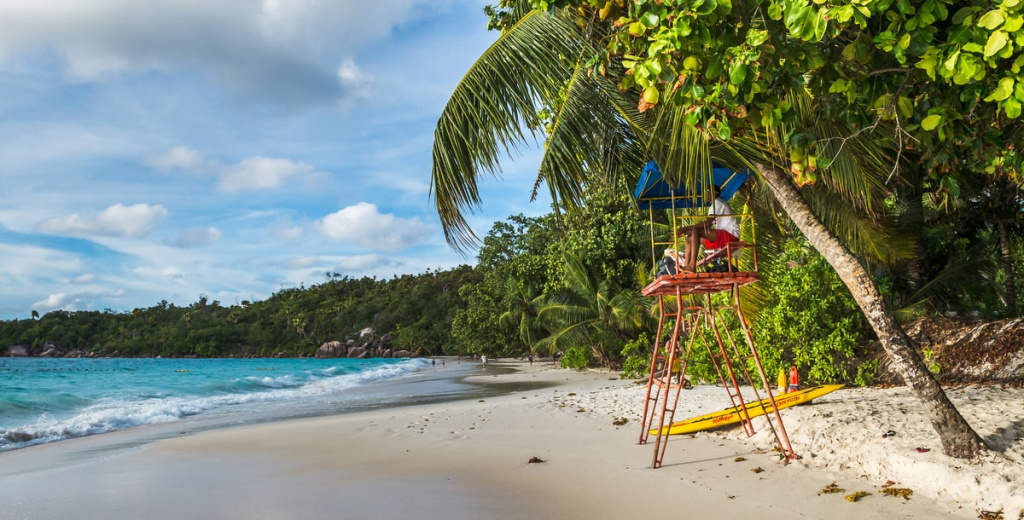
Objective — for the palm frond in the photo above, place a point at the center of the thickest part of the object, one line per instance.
(493, 111)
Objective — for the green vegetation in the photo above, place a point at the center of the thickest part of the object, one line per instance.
(930, 235)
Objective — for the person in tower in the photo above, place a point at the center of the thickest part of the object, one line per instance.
(720, 228)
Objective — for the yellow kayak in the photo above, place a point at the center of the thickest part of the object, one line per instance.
(734, 414)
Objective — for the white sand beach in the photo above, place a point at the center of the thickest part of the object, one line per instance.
(470, 459)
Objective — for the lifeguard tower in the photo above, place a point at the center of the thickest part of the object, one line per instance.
(687, 315)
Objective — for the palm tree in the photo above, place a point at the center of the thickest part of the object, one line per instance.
(522, 314)
(541, 62)
(590, 312)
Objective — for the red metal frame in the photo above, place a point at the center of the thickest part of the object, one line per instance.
(694, 321)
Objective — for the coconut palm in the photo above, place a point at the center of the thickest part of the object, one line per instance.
(590, 312)
(522, 314)
(541, 62)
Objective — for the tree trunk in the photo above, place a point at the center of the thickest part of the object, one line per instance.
(1007, 258)
(957, 437)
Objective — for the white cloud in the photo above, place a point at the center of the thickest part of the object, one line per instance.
(261, 173)
(283, 49)
(53, 301)
(133, 221)
(72, 302)
(367, 227)
(179, 158)
(84, 279)
(195, 237)
(254, 173)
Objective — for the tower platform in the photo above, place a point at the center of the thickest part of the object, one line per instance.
(699, 283)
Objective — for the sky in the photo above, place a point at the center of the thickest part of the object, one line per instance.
(172, 149)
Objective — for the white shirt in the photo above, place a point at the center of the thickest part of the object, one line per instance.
(725, 223)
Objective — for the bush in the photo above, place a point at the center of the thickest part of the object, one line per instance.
(578, 357)
(810, 319)
(636, 355)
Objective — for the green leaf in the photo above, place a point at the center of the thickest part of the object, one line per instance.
(996, 42)
(820, 25)
(756, 37)
(651, 95)
(796, 16)
(1013, 23)
(738, 73)
(905, 107)
(649, 19)
(715, 67)
(840, 85)
(724, 132)
(1012, 107)
(992, 19)
(931, 122)
(1003, 91)
(950, 63)
(775, 11)
(963, 13)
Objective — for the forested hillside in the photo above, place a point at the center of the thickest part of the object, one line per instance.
(570, 284)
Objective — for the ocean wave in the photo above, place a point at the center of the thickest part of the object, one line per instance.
(118, 413)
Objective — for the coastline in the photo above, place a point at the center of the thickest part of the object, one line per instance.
(469, 459)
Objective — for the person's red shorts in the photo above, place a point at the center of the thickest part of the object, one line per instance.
(724, 237)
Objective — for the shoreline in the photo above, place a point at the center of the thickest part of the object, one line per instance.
(469, 459)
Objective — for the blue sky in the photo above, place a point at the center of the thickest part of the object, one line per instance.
(168, 149)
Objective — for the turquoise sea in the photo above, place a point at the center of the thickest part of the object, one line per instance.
(45, 400)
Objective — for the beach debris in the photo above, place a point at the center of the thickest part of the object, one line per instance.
(480, 401)
(619, 421)
(831, 489)
(888, 483)
(853, 497)
(922, 450)
(739, 459)
(991, 515)
(757, 469)
(535, 460)
(888, 434)
(580, 410)
(570, 394)
(903, 493)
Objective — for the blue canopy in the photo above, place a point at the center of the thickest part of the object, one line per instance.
(653, 191)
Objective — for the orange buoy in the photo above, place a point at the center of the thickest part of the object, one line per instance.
(794, 379)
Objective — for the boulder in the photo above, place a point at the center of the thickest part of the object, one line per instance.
(17, 351)
(401, 353)
(357, 352)
(331, 349)
(367, 331)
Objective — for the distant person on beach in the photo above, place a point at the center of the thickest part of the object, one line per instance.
(433, 362)
(458, 359)
(483, 360)
(720, 228)
(530, 357)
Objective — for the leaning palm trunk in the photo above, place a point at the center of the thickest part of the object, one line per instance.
(958, 438)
